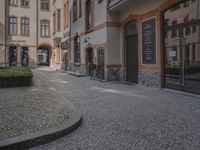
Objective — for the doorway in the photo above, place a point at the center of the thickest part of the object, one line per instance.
(182, 47)
(100, 59)
(13, 56)
(24, 56)
(131, 39)
(89, 60)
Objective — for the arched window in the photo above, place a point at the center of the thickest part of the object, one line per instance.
(77, 49)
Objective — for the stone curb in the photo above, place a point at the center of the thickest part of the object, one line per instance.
(37, 138)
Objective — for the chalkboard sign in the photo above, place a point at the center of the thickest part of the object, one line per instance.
(64, 45)
(149, 41)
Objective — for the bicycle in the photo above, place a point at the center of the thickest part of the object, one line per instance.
(97, 73)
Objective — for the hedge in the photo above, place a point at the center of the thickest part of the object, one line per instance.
(15, 76)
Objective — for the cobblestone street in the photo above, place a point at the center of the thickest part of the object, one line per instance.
(117, 116)
(29, 109)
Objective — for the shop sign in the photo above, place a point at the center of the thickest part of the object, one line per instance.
(149, 41)
(64, 45)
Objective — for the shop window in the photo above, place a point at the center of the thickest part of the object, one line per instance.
(13, 56)
(24, 56)
(77, 50)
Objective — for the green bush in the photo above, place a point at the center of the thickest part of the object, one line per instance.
(15, 76)
(15, 72)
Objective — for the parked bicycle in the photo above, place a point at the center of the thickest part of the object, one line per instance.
(97, 72)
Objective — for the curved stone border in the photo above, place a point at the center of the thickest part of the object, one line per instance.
(43, 136)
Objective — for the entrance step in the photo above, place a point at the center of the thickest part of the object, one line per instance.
(77, 74)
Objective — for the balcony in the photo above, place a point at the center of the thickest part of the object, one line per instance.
(117, 5)
(57, 36)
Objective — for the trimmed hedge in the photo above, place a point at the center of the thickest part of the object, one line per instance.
(15, 76)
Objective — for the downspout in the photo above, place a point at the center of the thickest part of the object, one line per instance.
(5, 31)
(198, 32)
(37, 40)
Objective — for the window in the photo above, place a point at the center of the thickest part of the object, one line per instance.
(75, 10)
(45, 28)
(89, 15)
(13, 56)
(54, 22)
(77, 49)
(80, 8)
(58, 20)
(193, 52)
(186, 4)
(13, 2)
(24, 26)
(25, 3)
(45, 4)
(174, 50)
(13, 25)
(66, 15)
(174, 30)
(187, 29)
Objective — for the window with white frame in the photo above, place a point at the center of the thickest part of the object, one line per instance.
(13, 2)
(24, 26)
(25, 3)
(13, 25)
(45, 4)
(45, 28)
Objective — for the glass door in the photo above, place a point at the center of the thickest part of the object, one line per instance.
(182, 47)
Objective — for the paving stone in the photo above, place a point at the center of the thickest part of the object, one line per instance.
(126, 117)
(27, 109)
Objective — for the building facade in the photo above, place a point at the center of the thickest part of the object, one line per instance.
(29, 34)
(152, 43)
(61, 32)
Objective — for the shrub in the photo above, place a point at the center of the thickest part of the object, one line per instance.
(15, 76)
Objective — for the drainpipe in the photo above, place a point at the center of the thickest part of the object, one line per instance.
(37, 40)
(5, 30)
(198, 32)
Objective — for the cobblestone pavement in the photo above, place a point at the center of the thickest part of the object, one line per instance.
(27, 109)
(117, 116)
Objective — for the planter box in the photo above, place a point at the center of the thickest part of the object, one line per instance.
(14, 81)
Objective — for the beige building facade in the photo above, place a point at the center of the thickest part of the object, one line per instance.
(61, 32)
(132, 34)
(28, 40)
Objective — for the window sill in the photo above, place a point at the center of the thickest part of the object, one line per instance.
(77, 64)
(26, 7)
(25, 35)
(45, 37)
(45, 10)
(88, 30)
